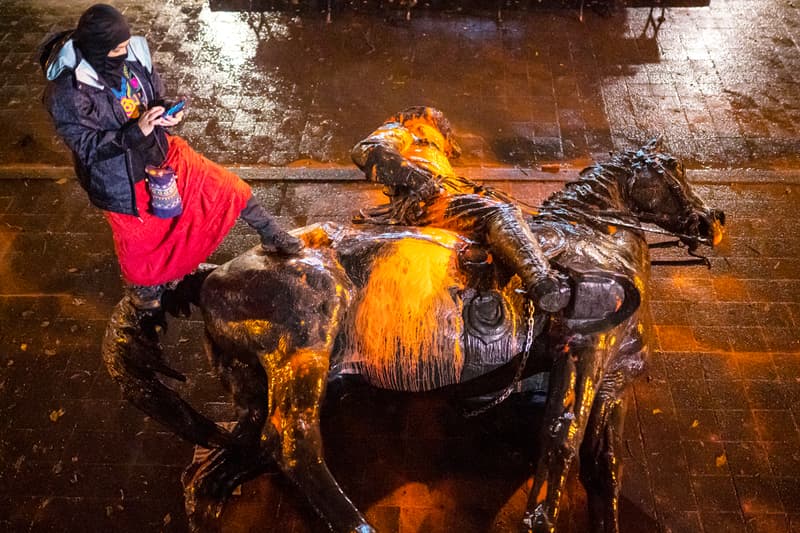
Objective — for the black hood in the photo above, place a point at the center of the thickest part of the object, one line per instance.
(100, 29)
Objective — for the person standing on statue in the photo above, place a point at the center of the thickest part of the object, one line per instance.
(168, 206)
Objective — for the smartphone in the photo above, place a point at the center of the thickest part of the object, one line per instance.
(174, 109)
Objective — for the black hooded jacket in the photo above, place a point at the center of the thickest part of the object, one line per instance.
(109, 150)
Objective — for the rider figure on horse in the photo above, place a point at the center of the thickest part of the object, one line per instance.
(410, 155)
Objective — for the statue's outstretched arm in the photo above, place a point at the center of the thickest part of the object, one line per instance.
(380, 157)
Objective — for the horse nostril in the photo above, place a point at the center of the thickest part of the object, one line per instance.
(716, 223)
(710, 226)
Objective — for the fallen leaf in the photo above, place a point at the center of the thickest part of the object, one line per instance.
(721, 460)
(23, 347)
(55, 415)
(50, 353)
(73, 270)
(58, 467)
(695, 423)
(183, 340)
(167, 519)
(78, 301)
(73, 328)
(62, 181)
(26, 314)
(657, 411)
(45, 323)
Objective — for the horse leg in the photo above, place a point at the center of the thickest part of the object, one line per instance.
(573, 382)
(209, 483)
(243, 376)
(296, 386)
(600, 464)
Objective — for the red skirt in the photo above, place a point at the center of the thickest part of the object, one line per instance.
(153, 250)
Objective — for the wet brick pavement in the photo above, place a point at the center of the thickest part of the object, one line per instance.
(541, 87)
(712, 436)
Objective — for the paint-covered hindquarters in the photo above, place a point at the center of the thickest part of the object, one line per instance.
(405, 330)
(418, 320)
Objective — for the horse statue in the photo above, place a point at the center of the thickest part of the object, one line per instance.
(416, 309)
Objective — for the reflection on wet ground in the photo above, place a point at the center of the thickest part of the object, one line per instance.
(538, 87)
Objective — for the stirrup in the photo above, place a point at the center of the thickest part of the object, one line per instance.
(600, 301)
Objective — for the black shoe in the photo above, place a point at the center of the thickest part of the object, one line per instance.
(146, 297)
(281, 243)
(600, 301)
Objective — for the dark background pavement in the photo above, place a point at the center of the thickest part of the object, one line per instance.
(712, 437)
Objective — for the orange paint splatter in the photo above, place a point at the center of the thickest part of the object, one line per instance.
(408, 326)
(542, 493)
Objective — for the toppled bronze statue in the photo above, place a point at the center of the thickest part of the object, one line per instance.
(409, 154)
(417, 308)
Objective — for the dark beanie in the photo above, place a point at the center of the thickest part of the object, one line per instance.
(101, 28)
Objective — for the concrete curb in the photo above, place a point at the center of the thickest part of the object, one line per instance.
(337, 173)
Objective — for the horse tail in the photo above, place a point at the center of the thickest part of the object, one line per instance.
(134, 358)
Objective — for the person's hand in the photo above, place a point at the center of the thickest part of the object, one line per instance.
(155, 117)
(150, 119)
(173, 120)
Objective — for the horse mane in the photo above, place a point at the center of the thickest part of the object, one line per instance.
(597, 197)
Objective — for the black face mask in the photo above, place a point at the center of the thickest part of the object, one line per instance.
(112, 66)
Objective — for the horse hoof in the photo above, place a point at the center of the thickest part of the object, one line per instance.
(203, 515)
(537, 523)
